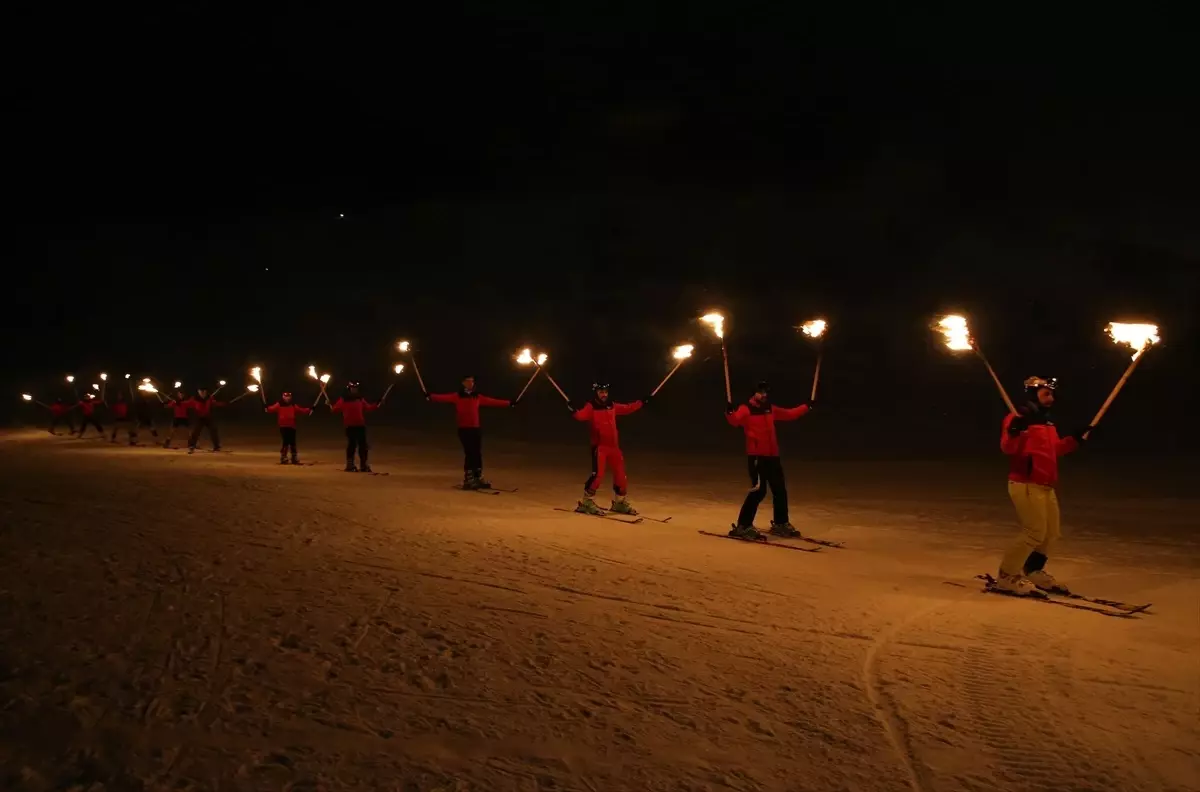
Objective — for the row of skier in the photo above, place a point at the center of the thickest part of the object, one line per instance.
(1029, 438)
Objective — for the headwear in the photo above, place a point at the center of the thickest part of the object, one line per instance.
(599, 386)
(1035, 384)
(762, 387)
(286, 395)
(352, 384)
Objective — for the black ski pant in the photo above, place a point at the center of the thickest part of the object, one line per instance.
(287, 437)
(89, 420)
(205, 422)
(356, 440)
(139, 425)
(58, 420)
(118, 425)
(764, 471)
(472, 444)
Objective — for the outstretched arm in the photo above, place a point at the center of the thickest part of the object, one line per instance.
(488, 401)
(584, 413)
(737, 417)
(627, 408)
(443, 398)
(790, 413)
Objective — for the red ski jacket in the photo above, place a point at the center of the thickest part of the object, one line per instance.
(180, 408)
(353, 410)
(88, 406)
(287, 413)
(57, 409)
(120, 410)
(758, 422)
(1033, 454)
(466, 406)
(603, 418)
(204, 407)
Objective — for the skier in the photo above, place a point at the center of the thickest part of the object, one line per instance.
(60, 412)
(1033, 446)
(287, 412)
(87, 408)
(602, 414)
(757, 419)
(120, 416)
(181, 410)
(466, 406)
(203, 405)
(354, 408)
(143, 414)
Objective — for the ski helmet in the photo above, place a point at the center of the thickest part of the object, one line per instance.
(286, 396)
(1035, 384)
(352, 384)
(599, 386)
(762, 387)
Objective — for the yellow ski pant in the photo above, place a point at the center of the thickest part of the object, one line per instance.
(1037, 511)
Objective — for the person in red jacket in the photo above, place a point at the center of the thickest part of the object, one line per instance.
(757, 419)
(354, 409)
(120, 416)
(287, 412)
(87, 408)
(203, 404)
(601, 413)
(466, 408)
(181, 410)
(1033, 446)
(60, 412)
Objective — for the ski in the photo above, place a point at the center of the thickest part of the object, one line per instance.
(1041, 596)
(1061, 591)
(657, 519)
(484, 490)
(604, 516)
(369, 473)
(821, 542)
(762, 540)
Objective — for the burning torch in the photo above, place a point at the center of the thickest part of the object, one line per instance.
(406, 348)
(717, 323)
(71, 382)
(958, 339)
(526, 358)
(321, 380)
(220, 385)
(681, 354)
(398, 369)
(256, 374)
(103, 385)
(815, 329)
(1139, 338)
(251, 388)
(28, 397)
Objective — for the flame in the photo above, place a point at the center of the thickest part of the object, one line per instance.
(95, 386)
(814, 328)
(104, 377)
(717, 322)
(256, 372)
(404, 346)
(526, 357)
(312, 371)
(146, 380)
(147, 388)
(126, 376)
(324, 379)
(542, 358)
(70, 378)
(221, 383)
(252, 388)
(26, 397)
(399, 367)
(682, 352)
(958, 335)
(178, 384)
(1138, 337)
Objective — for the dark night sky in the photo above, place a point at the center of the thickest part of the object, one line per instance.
(592, 180)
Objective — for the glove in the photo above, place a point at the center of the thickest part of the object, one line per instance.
(1079, 436)
(728, 408)
(646, 400)
(570, 408)
(425, 394)
(811, 405)
(1018, 425)
(513, 402)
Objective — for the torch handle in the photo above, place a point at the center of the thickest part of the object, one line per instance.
(560, 390)
(262, 391)
(239, 397)
(536, 371)
(39, 404)
(999, 386)
(319, 395)
(664, 379)
(725, 360)
(817, 376)
(416, 370)
(218, 390)
(1116, 389)
(383, 398)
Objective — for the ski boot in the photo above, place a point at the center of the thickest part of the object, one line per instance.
(481, 482)
(1018, 585)
(365, 468)
(470, 482)
(350, 467)
(1045, 581)
(621, 505)
(283, 460)
(191, 450)
(744, 532)
(295, 459)
(216, 448)
(113, 439)
(785, 530)
(588, 506)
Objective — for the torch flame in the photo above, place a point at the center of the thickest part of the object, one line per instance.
(256, 372)
(1138, 337)
(312, 371)
(146, 387)
(958, 335)
(526, 357)
(146, 380)
(126, 376)
(716, 321)
(95, 386)
(542, 358)
(399, 367)
(814, 328)
(104, 377)
(252, 388)
(682, 352)
(404, 346)
(178, 384)
(26, 397)
(221, 383)
(70, 378)
(324, 379)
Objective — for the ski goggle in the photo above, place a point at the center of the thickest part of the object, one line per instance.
(287, 395)
(1041, 382)
(599, 386)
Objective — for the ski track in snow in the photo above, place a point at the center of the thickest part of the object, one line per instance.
(220, 622)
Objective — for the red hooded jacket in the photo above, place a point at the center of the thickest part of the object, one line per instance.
(466, 406)
(287, 413)
(180, 409)
(758, 422)
(1033, 454)
(603, 418)
(58, 409)
(88, 406)
(120, 410)
(353, 410)
(204, 407)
